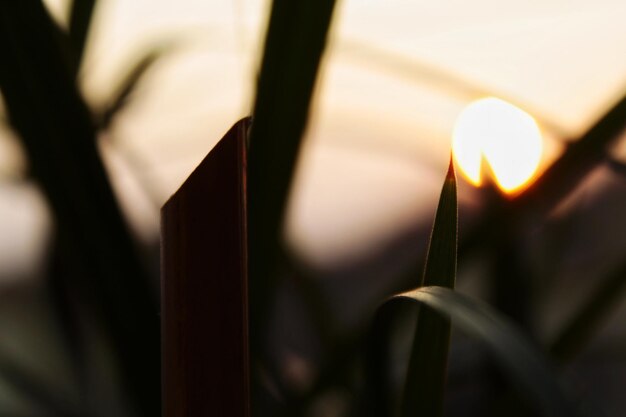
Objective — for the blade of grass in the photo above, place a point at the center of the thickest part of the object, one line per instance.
(81, 16)
(526, 366)
(578, 159)
(440, 268)
(55, 127)
(442, 262)
(556, 183)
(294, 45)
(426, 375)
(617, 166)
(38, 394)
(129, 84)
(414, 70)
(591, 315)
(67, 317)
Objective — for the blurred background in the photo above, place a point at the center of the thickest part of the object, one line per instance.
(394, 80)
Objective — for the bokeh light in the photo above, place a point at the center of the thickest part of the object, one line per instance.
(494, 132)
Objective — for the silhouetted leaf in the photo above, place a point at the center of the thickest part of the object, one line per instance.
(81, 16)
(55, 127)
(590, 316)
(39, 395)
(294, 45)
(526, 367)
(617, 166)
(129, 84)
(426, 376)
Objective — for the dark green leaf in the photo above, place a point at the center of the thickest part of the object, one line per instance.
(440, 266)
(101, 263)
(294, 46)
(617, 166)
(39, 395)
(426, 375)
(129, 84)
(525, 366)
(81, 16)
(591, 315)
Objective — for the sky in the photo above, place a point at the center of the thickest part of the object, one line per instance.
(396, 77)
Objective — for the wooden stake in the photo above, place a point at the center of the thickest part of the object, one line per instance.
(204, 287)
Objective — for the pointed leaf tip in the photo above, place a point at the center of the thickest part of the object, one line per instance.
(451, 174)
(425, 379)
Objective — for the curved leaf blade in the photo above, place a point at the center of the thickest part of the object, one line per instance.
(440, 266)
(99, 256)
(526, 366)
(81, 16)
(589, 318)
(129, 84)
(294, 46)
(425, 381)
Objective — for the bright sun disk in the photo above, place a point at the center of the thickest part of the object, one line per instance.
(503, 136)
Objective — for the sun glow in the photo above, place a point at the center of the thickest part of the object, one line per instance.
(502, 136)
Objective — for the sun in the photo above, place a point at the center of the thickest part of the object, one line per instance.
(501, 135)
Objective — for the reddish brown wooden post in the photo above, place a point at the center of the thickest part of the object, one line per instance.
(204, 287)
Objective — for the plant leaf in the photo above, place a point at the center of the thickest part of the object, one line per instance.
(40, 395)
(294, 45)
(440, 266)
(101, 265)
(525, 366)
(81, 16)
(425, 381)
(591, 315)
(129, 84)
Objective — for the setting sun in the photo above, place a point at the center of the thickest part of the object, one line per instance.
(501, 135)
